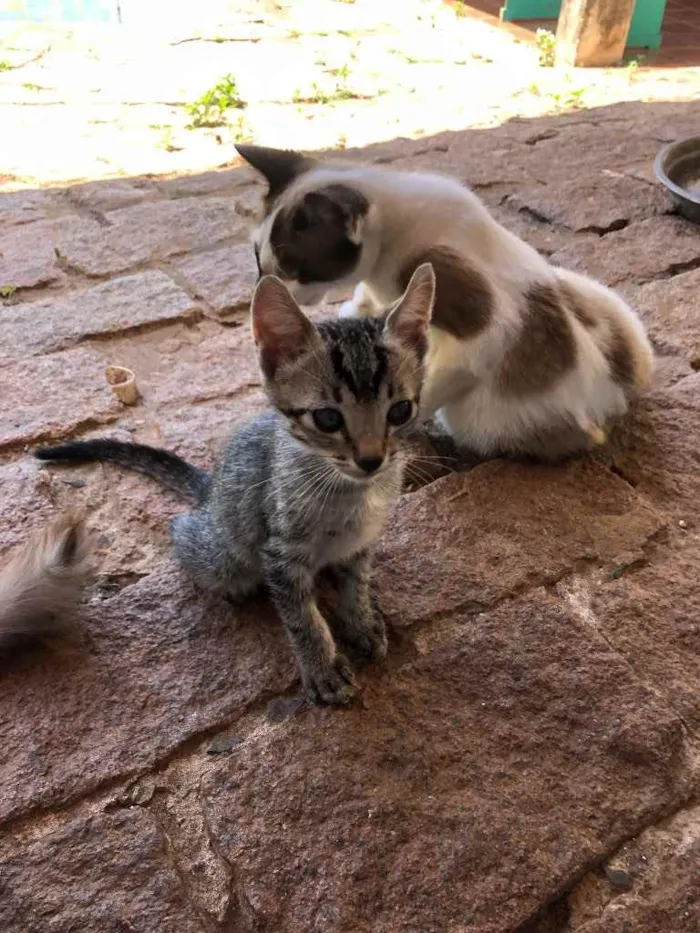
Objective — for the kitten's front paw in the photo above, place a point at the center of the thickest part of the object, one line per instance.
(368, 637)
(332, 684)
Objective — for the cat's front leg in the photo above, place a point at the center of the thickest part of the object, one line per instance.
(325, 672)
(356, 621)
(362, 303)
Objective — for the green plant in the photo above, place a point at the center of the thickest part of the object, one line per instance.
(211, 107)
(342, 72)
(166, 140)
(5, 66)
(32, 87)
(7, 291)
(242, 131)
(569, 100)
(319, 95)
(546, 44)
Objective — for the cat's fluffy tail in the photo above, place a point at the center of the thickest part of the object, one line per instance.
(167, 468)
(41, 586)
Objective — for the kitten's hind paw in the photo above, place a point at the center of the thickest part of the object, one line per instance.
(332, 685)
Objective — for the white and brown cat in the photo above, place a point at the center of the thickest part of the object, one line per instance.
(525, 358)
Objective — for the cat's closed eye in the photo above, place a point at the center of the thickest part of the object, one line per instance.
(328, 420)
(399, 413)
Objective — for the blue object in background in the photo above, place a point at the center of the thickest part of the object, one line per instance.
(59, 11)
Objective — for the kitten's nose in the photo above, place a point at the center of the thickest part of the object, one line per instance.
(369, 464)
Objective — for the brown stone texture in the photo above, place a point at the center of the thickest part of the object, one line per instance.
(470, 782)
(644, 250)
(150, 231)
(28, 252)
(485, 545)
(224, 278)
(119, 305)
(526, 758)
(154, 665)
(668, 311)
(46, 398)
(597, 203)
(94, 874)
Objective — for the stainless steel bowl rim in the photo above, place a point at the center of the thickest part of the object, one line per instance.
(660, 171)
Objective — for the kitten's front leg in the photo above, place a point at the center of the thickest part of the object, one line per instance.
(362, 303)
(325, 673)
(357, 623)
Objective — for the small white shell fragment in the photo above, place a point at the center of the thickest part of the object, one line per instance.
(123, 383)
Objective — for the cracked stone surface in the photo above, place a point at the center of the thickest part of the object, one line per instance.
(525, 760)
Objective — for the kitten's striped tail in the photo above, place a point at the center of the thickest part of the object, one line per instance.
(169, 469)
(41, 586)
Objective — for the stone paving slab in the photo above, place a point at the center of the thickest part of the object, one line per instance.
(121, 866)
(224, 278)
(478, 777)
(28, 252)
(148, 232)
(155, 666)
(485, 545)
(46, 398)
(118, 306)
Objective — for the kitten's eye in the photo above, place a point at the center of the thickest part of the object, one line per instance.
(328, 420)
(399, 413)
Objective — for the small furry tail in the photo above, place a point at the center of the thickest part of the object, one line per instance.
(169, 469)
(41, 586)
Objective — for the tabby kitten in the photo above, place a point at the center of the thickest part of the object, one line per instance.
(308, 486)
(524, 358)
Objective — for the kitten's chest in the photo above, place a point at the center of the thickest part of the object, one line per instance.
(352, 528)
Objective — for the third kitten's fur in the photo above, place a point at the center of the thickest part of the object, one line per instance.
(308, 486)
(524, 358)
(42, 583)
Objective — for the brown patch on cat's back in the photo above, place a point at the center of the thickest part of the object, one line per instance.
(545, 349)
(620, 359)
(577, 305)
(463, 297)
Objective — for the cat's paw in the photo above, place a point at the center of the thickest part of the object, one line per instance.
(331, 684)
(368, 637)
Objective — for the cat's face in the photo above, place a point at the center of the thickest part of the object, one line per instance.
(347, 388)
(313, 237)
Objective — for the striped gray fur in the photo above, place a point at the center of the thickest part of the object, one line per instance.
(288, 500)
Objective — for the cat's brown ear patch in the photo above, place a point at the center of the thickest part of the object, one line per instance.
(279, 167)
(463, 297)
(281, 330)
(544, 350)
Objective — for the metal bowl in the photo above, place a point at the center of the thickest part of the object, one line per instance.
(677, 167)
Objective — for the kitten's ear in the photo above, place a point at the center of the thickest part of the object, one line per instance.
(409, 321)
(336, 206)
(278, 166)
(281, 330)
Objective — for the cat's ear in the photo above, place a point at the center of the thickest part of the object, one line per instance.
(281, 330)
(409, 321)
(335, 206)
(278, 166)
